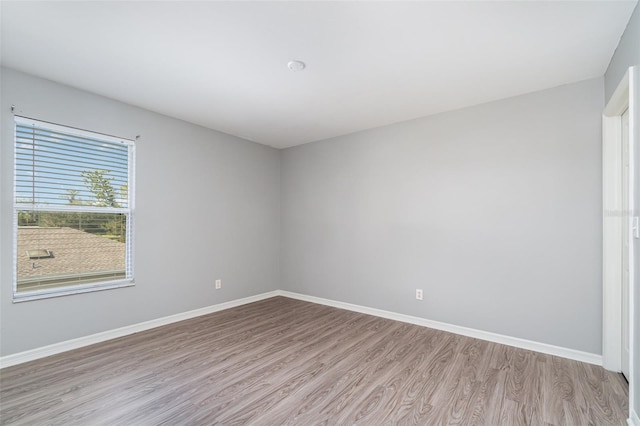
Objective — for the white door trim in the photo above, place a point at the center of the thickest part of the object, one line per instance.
(624, 97)
(612, 226)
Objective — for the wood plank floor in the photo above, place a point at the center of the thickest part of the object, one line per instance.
(286, 362)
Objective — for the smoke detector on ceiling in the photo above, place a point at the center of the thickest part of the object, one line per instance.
(296, 66)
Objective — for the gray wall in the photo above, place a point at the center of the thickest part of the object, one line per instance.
(207, 208)
(626, 55)
(494, 211)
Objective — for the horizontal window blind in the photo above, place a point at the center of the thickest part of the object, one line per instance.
(54, 167)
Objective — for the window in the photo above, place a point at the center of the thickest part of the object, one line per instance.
(73, 210)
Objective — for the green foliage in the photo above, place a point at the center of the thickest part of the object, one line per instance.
(27, 218)
(101, 187)
(72, 195)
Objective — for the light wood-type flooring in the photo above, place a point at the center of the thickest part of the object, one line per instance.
(286, 362)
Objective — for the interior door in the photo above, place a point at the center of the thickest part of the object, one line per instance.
(626, 237)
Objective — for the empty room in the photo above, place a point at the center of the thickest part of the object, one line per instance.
(320, 213)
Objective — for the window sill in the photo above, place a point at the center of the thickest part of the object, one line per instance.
(67, 291)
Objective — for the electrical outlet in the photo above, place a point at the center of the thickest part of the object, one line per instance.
(418, 294)
(218, 284)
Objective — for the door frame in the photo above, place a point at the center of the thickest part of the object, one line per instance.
(625, 96)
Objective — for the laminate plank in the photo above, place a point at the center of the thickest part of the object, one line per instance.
(319, 391)
(472, 369)
(286, 362)
(295, 367)
(489, 402)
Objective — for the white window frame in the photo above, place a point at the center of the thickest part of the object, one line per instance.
(129, 211)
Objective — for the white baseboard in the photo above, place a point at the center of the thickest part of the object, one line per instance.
(470, 332)
(56, 348)
(633, 419)
(80, 342)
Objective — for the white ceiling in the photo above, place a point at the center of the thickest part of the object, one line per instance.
(223, 65)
